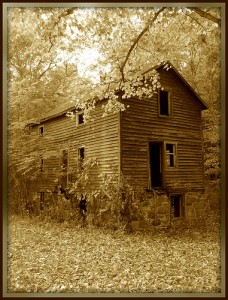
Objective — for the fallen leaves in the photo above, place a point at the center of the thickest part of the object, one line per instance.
(53, 258)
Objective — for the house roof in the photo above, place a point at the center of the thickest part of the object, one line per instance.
(68, 106)
(56, 112)
(59, 110)
(198, 98)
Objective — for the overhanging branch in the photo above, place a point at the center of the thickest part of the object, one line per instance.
(146, 28)
(206, 15)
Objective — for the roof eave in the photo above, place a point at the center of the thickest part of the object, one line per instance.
(203, 104)
(200, 100)
(42, 120)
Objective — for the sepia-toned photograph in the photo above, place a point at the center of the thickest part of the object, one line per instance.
(114, 169)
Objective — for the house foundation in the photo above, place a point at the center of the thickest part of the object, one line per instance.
(163, 210)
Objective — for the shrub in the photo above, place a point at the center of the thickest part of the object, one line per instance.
(117, 203)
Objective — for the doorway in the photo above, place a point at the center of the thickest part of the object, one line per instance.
(155, 149)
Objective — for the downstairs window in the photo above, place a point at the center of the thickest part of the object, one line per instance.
(81, 157)
(41, 196)
(177, 206)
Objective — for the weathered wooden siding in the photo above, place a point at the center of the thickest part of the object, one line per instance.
(99, 136)
(141, 124)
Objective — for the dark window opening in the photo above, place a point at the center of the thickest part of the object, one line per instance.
(41, 164)
(41, 130)
(81, 157)
(177, 206)
(155, 164)
(80, 118)
(170, 155)
(81, 152)
(41, 196)
(164, 103)
(65, 159)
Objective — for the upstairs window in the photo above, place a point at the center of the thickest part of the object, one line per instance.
(41, 130)
(80, 118)
(171, 155)
(164, 102)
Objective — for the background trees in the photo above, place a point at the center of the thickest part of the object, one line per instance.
(55, 51)
(79, 54)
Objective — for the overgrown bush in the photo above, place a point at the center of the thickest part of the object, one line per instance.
(20, 200)
(117, 203)
(114, 204)
(60, 212)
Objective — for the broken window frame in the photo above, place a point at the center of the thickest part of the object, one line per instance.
(169, 108)
(41, 130)
(170, 155)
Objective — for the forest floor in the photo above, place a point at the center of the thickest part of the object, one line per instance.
(45, 257)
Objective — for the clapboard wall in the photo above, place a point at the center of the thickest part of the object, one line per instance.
(99, 136)
(141, 124)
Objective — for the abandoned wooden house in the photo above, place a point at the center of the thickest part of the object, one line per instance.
(157, 142)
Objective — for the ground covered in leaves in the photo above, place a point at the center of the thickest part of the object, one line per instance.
(44, 257)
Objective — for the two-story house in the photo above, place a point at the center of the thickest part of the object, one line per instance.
(156, 141)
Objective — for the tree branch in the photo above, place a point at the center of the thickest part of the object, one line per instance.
(206, 15)
(146, 50)
(56, 23)
(146, 28)
(67, 12)
(48, 68)
(194, 20)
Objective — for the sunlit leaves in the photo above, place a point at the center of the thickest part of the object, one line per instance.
(72, 35)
